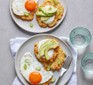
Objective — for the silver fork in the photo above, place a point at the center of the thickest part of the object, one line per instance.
(64, 69)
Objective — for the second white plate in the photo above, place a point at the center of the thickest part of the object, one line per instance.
(36, 28)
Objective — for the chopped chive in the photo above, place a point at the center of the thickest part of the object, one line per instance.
(53, 80)
(26, 13)
(50, 8)
(38, 68)
(59, 62)
(40, 9)
(27, 60)
(31, 25)
(25, 66)
(48, 68)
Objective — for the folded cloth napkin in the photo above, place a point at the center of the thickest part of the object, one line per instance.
(18, 41)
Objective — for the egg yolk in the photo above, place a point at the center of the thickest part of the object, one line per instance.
(30, 5)
(35, 77)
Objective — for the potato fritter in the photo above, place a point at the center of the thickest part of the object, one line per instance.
(59, 61)
(58, 15)
(30, 17)
(54, 63)
(47, 83)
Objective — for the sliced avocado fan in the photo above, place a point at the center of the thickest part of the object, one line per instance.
(47, 11)
(44, 48)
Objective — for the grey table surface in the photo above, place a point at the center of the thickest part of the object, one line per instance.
(80, 13)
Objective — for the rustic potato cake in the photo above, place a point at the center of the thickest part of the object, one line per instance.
(50, 19)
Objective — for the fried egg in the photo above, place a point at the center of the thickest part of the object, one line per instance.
(20, 7)
(32, 70)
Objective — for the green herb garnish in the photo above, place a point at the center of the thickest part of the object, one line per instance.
(48, 68)
(40, 9)
(25, 66)
(31, 25)
(53, 79)
(38, 68)
(27, 60)
(26, 13)
(50, 8)
(59, 62)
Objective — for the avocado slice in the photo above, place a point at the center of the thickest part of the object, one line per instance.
(44, 18)
(43, 46)
(39, 13)
(49, 14)
(50, 10)
(52, 46)
(46, 14)
(47, 11)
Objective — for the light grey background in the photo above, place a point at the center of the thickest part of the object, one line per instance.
(80, 13)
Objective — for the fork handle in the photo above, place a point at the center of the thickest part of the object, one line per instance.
(60, 77)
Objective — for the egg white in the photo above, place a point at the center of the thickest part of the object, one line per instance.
(34, 63)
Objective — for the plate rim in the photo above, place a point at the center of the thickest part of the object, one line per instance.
(35, 32)
(41, 35)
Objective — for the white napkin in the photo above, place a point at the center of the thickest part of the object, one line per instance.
(18, 41)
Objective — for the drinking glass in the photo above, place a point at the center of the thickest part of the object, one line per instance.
(87, 65)
(80, 37)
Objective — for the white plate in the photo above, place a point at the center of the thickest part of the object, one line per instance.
(36, 28)
(28, 46)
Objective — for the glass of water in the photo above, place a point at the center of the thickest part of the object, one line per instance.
(87, 65)
(80, 37)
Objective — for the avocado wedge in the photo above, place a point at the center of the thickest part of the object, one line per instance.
(52, 46)
(43, 47)
(48, 9)
(40, 13)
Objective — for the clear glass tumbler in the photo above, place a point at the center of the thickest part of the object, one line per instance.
(87, 65)
(80, 37)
